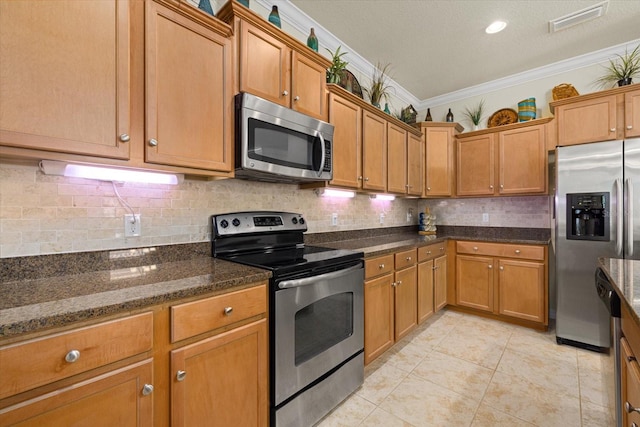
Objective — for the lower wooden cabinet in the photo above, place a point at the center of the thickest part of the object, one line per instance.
(630, 384)
(378, 307)
(432, 280)
(405, 293)
(503, 279)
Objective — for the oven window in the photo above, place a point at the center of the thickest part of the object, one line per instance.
(281, 146)
(323, 324)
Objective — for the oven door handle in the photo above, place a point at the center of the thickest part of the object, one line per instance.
(286, 284)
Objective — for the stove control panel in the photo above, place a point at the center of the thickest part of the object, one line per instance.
(257, 222)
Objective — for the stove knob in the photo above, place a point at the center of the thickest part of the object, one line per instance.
(301, 221)
(224, 223)
(235, 222)
(294, 220)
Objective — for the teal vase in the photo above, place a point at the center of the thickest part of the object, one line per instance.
(206, 6)
(312, 41)
(386, 108)
(274, 17)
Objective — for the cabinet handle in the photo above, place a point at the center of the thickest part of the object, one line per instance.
(153, 142)
(72, 356)
(629, 127)
(612, 129)
(124, 137)
(381, 266)
(147, 389)
(285, 93)
(517, 251)
(629, 408)
(490, 266)
(297, 98)
(181, 375)
(475, 248)
(228, 311)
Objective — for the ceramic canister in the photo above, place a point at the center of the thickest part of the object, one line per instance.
(527, 109)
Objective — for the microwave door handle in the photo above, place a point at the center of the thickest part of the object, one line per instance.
(323, 158)
(629, 204)
(295, 283)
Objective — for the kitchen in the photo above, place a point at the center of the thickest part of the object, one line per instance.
(48, 214)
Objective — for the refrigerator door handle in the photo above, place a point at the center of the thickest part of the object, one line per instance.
(619, 217)
(628, 201)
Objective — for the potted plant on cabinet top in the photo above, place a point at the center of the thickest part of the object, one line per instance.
(622, 70)
(336, 71)
(474, 114)
(380, 86)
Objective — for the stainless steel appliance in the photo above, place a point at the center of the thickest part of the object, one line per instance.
(277, 144)
(612, 369)
(316, 311)
(596, 190)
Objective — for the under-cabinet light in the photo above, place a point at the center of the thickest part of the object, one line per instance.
(52, 167)
(383, 197)
(330, 192)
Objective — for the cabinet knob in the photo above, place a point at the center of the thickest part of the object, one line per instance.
(297, 98)
(125, 137)
(631, 358)
(629, 408)
(501, 186)
(428, 252)
(517, 251)
(399, 282)
(366, 179)
(434, 267)
(228, 311)
(612, 129)
(408, 258)
(285, 93)
(394, 284)
(490, 266)
(491, 187)
(72, 356)
(428, 188)
(501, 268)
(634, 425)
(629, 127)
(147, 389)
(475, 248)
(360, 178)
(181, 375)
(153, 142)
(381, 266)
(441, 248)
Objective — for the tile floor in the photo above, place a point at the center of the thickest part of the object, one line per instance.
(464, 370)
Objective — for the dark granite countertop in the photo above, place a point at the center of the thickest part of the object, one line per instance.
(624, 274)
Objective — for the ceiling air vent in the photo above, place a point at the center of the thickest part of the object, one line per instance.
(578, 17)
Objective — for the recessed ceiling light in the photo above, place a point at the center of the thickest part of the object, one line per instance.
(496, 27)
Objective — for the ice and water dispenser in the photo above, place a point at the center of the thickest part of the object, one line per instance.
(588, 216)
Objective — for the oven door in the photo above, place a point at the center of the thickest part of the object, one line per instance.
(319, 324)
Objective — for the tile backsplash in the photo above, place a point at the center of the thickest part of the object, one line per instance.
(42, 214)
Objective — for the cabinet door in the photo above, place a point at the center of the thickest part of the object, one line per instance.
(632, 114)
(264, 65)
(476, 166)
(406, 301)
(439, 162)
(308, 84)
(188, 106)
(374, 152)
(523, 160)
(425, 290)
(396, 159)
(586, 121)
(521, 289)
(346, 117)
(440, 282)
(222, 380)
(112, 399)
(378, 317)
(415, 165)
(630, 383)
(65, 76)
(474, 282)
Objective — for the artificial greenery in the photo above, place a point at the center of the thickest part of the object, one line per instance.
(380, 86)
(625, 67)
(338, 65)
(475, 113)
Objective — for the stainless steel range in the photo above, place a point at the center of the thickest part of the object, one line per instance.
(316, 311)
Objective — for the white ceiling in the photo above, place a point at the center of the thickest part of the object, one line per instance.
(439, 46)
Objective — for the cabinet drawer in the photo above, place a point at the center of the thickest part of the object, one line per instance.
(377, 266)
(431, 251)
(197, 317)
(405, 259)
(43, 360)
(501, 250)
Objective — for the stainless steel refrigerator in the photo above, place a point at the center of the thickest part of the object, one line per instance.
(597, 215)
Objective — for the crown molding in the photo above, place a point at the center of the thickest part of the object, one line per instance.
(303, 22)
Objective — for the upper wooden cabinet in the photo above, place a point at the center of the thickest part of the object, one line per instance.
(415, 165)
(396, 159)
(508, 160)
(275, 66)
(189, 108)
(374, 152)
(346, 117)
(66, 76)
(600, 116)
(439, 139)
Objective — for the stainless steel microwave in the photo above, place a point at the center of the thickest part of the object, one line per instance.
(277, 144)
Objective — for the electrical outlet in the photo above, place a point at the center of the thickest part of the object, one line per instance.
(132, 225)
(334, 219)
(381, 218)
(485, 217)
(409, 215)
